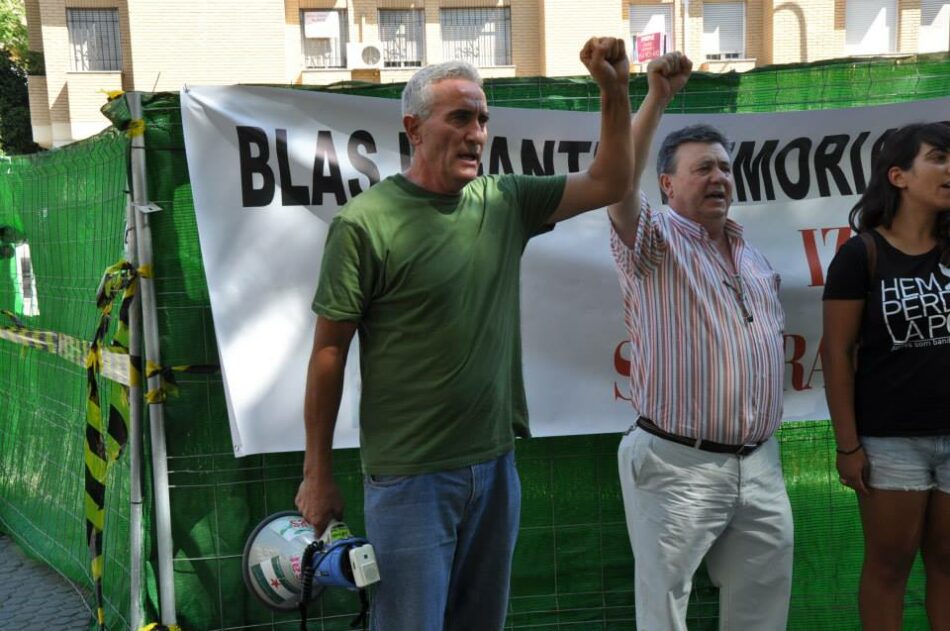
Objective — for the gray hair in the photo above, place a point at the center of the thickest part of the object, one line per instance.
(417, 95)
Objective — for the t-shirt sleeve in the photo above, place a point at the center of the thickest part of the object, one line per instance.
(346, 274)
(847, 277)
(538, 197)
(649, 245)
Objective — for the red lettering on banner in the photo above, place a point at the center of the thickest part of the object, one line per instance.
(622, 366)
(802, 355)
(810, 241)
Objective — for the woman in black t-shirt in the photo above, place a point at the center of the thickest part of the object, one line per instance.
(889, 395)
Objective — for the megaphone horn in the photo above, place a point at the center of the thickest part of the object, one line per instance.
(284, 545)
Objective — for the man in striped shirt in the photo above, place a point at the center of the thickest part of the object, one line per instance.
(700, 471)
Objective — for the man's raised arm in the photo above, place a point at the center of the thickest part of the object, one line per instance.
(608, 177)
(666, 76)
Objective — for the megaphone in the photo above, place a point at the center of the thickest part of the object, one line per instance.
(284, 555)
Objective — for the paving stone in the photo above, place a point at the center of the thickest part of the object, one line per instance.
(33, 597)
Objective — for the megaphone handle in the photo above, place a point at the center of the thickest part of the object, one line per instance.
(306, 574)
(363, 616)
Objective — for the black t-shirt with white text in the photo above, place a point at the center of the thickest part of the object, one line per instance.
(901, 384)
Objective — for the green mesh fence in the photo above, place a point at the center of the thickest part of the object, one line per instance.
(68, 208)
(573, 567)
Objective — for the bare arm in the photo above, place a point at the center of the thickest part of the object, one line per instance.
(666, 76)
(318, 497)
(842, 325)
(608, 176)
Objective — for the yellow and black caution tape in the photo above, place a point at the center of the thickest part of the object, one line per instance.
(13, 317)
(169, 385)
(112, 95)
(105, 440)
(156, 626)
(136, 128)
(115, 365)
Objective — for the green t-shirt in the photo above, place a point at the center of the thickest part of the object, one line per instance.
(434, 282)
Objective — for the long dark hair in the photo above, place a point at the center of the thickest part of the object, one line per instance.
(881, 200)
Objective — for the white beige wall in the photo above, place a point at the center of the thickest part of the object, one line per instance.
(206, 42)
(807, 30)
(567, 25)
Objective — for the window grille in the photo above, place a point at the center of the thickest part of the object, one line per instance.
(480, 36)
(724, 30)
(402, 35)
(94, 39)
(323, 37)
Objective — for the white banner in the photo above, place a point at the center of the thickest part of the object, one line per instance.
(270, 166)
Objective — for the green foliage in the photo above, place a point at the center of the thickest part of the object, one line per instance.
(13, 37)
(15, 61)
(15, 130)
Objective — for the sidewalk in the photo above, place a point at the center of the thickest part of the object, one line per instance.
(34, 597)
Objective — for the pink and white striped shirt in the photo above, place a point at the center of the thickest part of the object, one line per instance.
(706, 349)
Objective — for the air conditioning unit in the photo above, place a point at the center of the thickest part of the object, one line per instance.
(359, 56)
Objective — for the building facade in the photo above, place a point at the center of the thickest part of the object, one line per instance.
(94, 46)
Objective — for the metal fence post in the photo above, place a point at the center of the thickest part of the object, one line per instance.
(156, 410)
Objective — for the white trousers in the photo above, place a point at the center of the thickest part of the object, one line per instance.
(683, 504)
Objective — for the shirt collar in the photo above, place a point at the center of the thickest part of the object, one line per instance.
(697, 231)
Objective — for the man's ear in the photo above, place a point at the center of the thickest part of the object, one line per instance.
(411, 124)
(666, 186)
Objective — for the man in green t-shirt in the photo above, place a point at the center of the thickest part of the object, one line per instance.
(425, 266)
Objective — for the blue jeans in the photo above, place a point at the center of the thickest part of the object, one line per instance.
(909, 463)
(444, 543)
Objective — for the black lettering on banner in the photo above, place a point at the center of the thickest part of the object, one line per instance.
(530, 165)
(749, 169)
(290, 195)
(799, 189)
(827, 160)
(250, 164)
(573, 149)
(332, 182)
(499, 159)
(361, 139)
(857, 166)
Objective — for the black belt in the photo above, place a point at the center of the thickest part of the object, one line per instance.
(706, 445)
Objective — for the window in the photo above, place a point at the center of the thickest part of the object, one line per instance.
(323, 38)
(724, 30)
(652, 18)
(479, 36)
(934, 26)
(870, 27)
(27, 301)
(94, 39)
(402, 34)
(15, 249)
